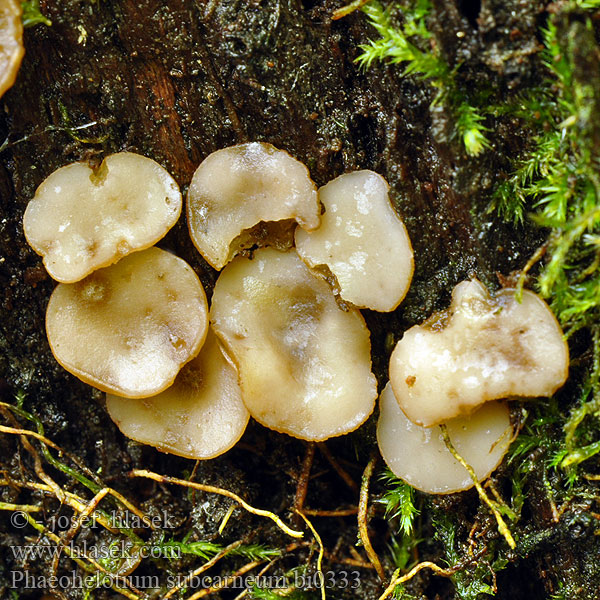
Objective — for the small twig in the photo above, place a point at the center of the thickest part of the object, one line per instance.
(96, 487)
(222, 492)
(341, 512)
(21, 507)
(348, 9)
(398, 579)
(70, 534)
(244, 593)
(337, 467)
(226, 519)
(302, 487)
(321, 552)
(223, 583)
(507, 509)
(356, 561)
(93, 567)
(502, 527)
(207, 565)
(362, 518)
(37, 461)
(537, 255)
(72, 500)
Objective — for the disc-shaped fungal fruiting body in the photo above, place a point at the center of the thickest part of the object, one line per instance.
(419, 455)
(11, 42)
(237, 188)
(82, 219)
(482, 348)
(361, 241)
(304, 364)
(200, 416)
(128, 329)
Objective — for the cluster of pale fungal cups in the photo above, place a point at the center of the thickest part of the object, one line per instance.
(284, 340)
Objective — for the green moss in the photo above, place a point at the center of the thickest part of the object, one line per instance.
(399, 502)
(32, 15)
(557, 183)
(478, 580)
(408, 45)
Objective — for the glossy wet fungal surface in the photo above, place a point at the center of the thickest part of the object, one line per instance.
(236, 188)
(11, 42)
(81, 219)
(128, 329)
(419, 456)
(362, 242)
(304, 364)
(200, 416)
(482, 348)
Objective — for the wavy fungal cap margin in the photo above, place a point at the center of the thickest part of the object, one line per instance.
(482, 348)
(128, 329)
(82, 219)
(304, 364)
(237, 188)
(11, 42)
(200, 416)
(419, 456)
(362, 242)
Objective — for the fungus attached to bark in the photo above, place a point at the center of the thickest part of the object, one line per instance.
(419, 455)
(11, 42)
(482, 348)
(304, 364)
(200, 416)
(237, 188)
(82, 219)
(128, 329)
(361, 241)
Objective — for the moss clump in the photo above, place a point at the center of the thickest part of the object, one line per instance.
(408, 44)
(557, 181)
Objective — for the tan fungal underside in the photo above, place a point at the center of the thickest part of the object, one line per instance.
(200, 416)
(419, 455)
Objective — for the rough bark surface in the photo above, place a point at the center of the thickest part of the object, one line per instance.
(177, 80)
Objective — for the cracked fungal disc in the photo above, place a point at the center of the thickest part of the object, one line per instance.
(82, 219)
(482, 348)
(128, 329)
(11, 42)
(200, 416)
(361, 241)
(419, 455)
(236, 189)
(304, 364)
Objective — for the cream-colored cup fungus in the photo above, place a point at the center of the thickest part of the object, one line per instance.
(482, 348)
(362, 241)
(82, 219)
(419, 456)
(128, 329)
(11, 42)
(304, 364)
(200, 416)
(236, 188)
